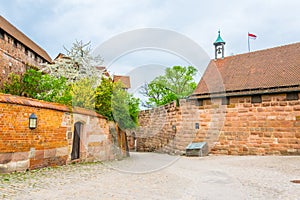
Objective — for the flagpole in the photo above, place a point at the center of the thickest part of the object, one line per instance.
(248, 43)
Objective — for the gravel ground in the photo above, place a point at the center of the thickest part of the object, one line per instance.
(160, 176)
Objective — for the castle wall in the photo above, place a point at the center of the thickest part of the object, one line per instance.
(271, 127)
(15, 57)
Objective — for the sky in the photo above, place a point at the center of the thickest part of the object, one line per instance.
(53, 24)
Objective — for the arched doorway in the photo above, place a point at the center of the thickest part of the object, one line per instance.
(76, 141)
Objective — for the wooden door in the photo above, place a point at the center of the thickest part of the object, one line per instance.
(76, 141)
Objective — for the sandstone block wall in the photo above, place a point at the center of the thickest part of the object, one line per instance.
(240, 128)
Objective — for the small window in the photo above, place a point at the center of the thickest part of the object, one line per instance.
(225, 101)
(15, 42)
(199, 102)
(256, 99)
(8, 39)
(26, 51)
(292, 96)
(1, 34)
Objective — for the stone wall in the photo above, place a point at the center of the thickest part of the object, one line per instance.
(15, 57)
(240, 128)
(50, 144)
(168, 128)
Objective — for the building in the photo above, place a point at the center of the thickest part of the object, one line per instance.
(125, 81)
(247, 104)
(17, 51)
(269, 71)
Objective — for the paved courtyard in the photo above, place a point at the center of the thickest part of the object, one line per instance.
(160, 176)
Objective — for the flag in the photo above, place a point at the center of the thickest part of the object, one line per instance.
(252, 36)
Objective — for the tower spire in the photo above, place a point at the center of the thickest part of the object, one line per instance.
(219, 46)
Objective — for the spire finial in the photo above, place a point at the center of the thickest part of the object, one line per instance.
(219, 40)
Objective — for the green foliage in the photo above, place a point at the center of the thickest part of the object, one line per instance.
(176, 83)
(103, 98)
(116, 104)
(83, 93)
(35, 84)
(54, 90)
(14, 85)
(125, 108)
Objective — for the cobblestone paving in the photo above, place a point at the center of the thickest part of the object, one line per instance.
(159, 176)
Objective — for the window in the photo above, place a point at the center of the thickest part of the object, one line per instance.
(15, 42)
(225, 100)
(9, 40)
(199, 102)
(26, 51)
(292, 96)
(1, 34)
(256, 99)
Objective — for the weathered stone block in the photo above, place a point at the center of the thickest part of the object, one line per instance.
(20, 156)
(22, 165)
(39, 154)
(296, 108)
(63, 151)
(49, 153)
(5, 157)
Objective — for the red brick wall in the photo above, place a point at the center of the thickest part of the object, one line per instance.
(241, 128)
(51, 142)
(17, 137)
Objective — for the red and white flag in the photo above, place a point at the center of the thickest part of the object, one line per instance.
(252, 36)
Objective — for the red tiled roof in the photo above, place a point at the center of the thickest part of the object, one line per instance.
(125, 80)
(21, 37)
(61, 56)
(7, 98)
(267, 69)
(103, 70)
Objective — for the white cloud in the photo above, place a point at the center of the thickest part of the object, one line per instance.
(55, 23)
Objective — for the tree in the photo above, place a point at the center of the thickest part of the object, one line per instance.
(35, 84)
(113, 102)
(79, 68)
(77, 64)
(103, 97)
(176, 83)
(83, 93)
(125, 108)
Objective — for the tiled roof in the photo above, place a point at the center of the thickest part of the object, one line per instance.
(125, 80)
(103, 70)
(265, 70)
(11, 99)
(14, 32)
(61, 56)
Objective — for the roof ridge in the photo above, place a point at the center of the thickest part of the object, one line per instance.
(35, 47)
(261, 50)
(267, 68)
